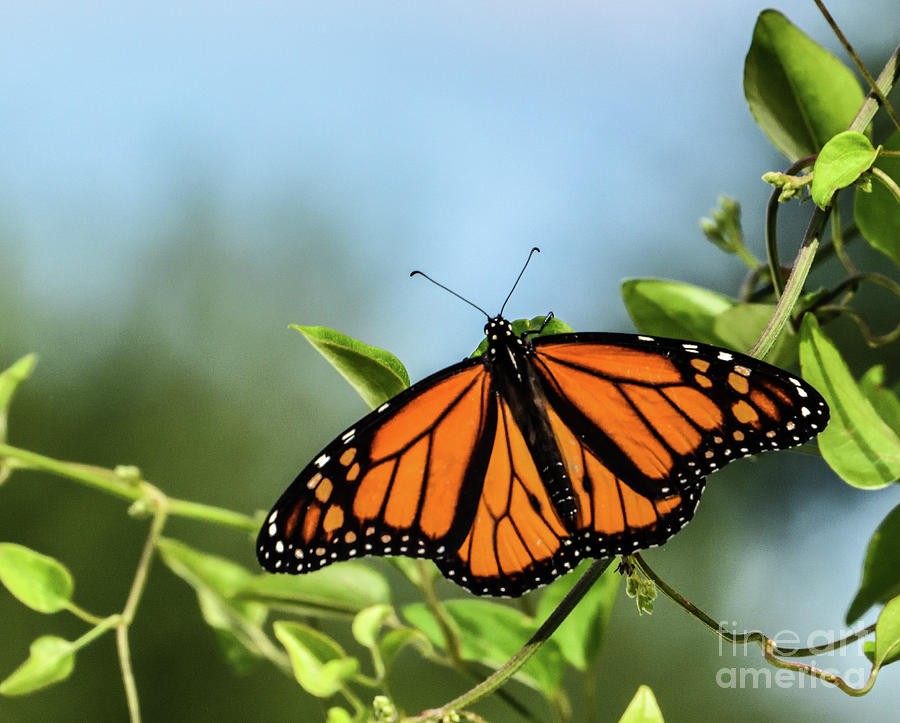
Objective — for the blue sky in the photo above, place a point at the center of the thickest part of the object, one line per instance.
(458, 134)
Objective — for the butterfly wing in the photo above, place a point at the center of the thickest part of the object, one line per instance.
(516, 540)
(404, 480)
(444, 471)
(658, 411)
(641, 421)
(613, 518)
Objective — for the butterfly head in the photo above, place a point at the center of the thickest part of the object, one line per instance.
(497, 326)
(501, 337)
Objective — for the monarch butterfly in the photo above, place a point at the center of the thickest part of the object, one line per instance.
(507, 469)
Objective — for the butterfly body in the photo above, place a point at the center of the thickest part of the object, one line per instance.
(513, 379)
(509, 468)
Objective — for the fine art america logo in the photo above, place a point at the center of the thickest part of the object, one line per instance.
(818, 642)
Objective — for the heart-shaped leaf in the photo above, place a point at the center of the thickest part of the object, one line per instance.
(841, 162)
(50, 660)
(319, 663)
(38, 581)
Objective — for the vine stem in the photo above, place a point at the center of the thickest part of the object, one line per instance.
(882, 88)
(549, 626)
(448, 631)
(791, 293)
(134, 597)
(769, 648)
(83, 614)
(887, 181)
(772, 226)
(95, 632)
(451, 637)
(882, 96)
(109, 481)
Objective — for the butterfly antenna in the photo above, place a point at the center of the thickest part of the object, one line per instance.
(458, 296)
(509, 295)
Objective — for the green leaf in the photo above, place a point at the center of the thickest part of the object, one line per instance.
(319, 663)
(841, 162)
(869, 650)
(366, 628)
(338, 715)
(887, 634)
(643, 708)
(343, 590)
(237, 623)
(580, 636)
(740, 326)
(881, 570)
(800, 94)
(10, 379)
(240, 657)
(375, 374)
(491, 634)
(395, 640)
(883, 399)
(203, 571)
(368, 623)
(675, 309)
(36, 580)
(877, 213)
(231, 624)
(520, 326)
(857, 444)
(51, 660)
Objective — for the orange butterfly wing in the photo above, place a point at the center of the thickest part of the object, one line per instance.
(404, 480)
(516, 536)
(663, 410)
(641, 421)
